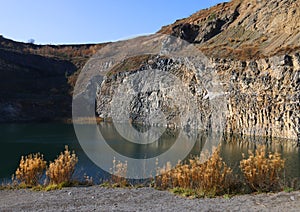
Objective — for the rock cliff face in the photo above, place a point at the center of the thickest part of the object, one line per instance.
(263, 95)
(254, 47)
(168, 89)
(33, 88)
(36, 80)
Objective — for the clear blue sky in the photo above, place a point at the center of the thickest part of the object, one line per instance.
(90, 21)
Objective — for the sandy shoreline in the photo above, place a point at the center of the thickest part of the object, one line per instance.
(96, 198)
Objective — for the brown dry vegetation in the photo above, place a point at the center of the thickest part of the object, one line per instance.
(65, 51)
(62, 52)
(31, 169)
(119, 172)
(62, 169)
(59, 173)
(129, 64)
(210, 178)
(262, 171)
(289, 49)
(243, 53)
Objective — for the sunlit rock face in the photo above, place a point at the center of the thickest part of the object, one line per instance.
(254, 48)
(262, 96)
(161, 92)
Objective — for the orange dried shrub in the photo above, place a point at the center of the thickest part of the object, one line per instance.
(205, 179)
(62, 169)
(31, 169)
(262, 172)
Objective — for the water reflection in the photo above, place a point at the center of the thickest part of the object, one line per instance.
(120, 141)
(233, 147)
(49, 139)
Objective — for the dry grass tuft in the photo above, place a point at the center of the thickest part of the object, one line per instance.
(62, 169)
(205, 179)
(262, 172)
(31, 169)
(119, 172)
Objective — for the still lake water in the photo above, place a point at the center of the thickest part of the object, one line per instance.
(50, 138)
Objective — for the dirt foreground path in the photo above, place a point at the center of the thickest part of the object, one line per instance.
(96, 198)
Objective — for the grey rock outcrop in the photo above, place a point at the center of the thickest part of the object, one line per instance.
(262, 96)
(161, 92)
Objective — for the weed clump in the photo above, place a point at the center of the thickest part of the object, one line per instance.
(31, 169)
(205, 179)
(62, 169)
(263, 173)
(119, 172)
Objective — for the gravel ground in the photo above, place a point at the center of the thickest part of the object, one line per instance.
(96, 198)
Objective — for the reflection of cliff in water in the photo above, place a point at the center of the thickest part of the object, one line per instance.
(231, 147)
(234, 146)
(123, 146)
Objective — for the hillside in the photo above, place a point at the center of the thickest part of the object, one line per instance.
(243, 29)
(254, 48)
(36, 81)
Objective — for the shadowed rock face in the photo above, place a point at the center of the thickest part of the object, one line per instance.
(33, 88)
(186, 32)
(35, 80)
